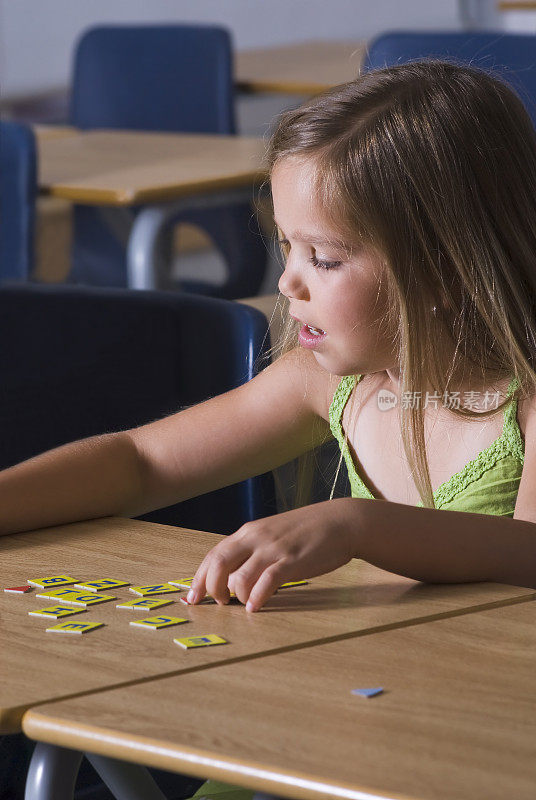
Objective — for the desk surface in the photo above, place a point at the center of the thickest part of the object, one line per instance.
(303, 68)
(38, 666)
(43, 132)
(127, 168)
(524, 5)
(457, 717)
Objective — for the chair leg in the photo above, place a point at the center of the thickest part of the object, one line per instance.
(142, 250)
(126, 781)
(52, 773)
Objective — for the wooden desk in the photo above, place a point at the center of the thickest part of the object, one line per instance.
(302, 68)
(43, 132)
(457, 718)
(165, 172)
(524, 5)
(38, 666)
(124, 168)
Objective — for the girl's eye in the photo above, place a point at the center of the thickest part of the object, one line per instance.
(324, 264)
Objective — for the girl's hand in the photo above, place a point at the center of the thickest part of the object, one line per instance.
(263, 554)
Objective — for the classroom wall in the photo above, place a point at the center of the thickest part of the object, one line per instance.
(37, 36)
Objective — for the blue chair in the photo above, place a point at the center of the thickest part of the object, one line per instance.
(18, 189)
(161, 78)
(79, 361)
(510, 56)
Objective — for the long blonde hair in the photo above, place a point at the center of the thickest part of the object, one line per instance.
(433, 164)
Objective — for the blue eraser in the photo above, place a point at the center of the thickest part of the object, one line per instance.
(368, 692)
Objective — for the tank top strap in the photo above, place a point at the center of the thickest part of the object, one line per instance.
(511, 431)
(340, 398)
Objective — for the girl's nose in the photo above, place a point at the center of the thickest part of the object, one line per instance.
(291, 285)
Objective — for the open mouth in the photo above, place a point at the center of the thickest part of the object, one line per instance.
(310, 336)
(314, 331)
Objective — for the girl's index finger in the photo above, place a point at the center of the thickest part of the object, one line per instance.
(198, 588)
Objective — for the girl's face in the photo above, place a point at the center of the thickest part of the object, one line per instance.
(337, 291)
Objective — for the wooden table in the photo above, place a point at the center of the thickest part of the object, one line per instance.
(457, 718)
(354, 599)
(302, 68)
(509, 5)
(124, 168)
(38, 667)
(165, 172)
(43, 132)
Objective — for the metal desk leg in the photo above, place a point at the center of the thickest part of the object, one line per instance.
(126, 781)
(145, 256)
(52, 773)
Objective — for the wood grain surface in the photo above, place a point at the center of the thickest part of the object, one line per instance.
(456, 720)
(38, 666)
(302, 68)
(126, 168)
(509, 5)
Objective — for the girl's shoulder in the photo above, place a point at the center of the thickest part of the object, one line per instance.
(315, 385)
(526, 416)
(526, 498)
(299, 370)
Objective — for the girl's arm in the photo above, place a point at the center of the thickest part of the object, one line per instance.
(246, 432)
(446, 546)
(453, 546)
(424, 544)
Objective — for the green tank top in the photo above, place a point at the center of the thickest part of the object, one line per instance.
(486, 485)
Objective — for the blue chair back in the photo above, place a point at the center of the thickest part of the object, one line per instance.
(161, 78)
(154, 78)
(510, 56)
(77, 361)
(18, 189)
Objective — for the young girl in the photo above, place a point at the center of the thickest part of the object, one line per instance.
(406, 206)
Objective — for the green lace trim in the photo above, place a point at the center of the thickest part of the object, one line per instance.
(510, 442)
(340, 398)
